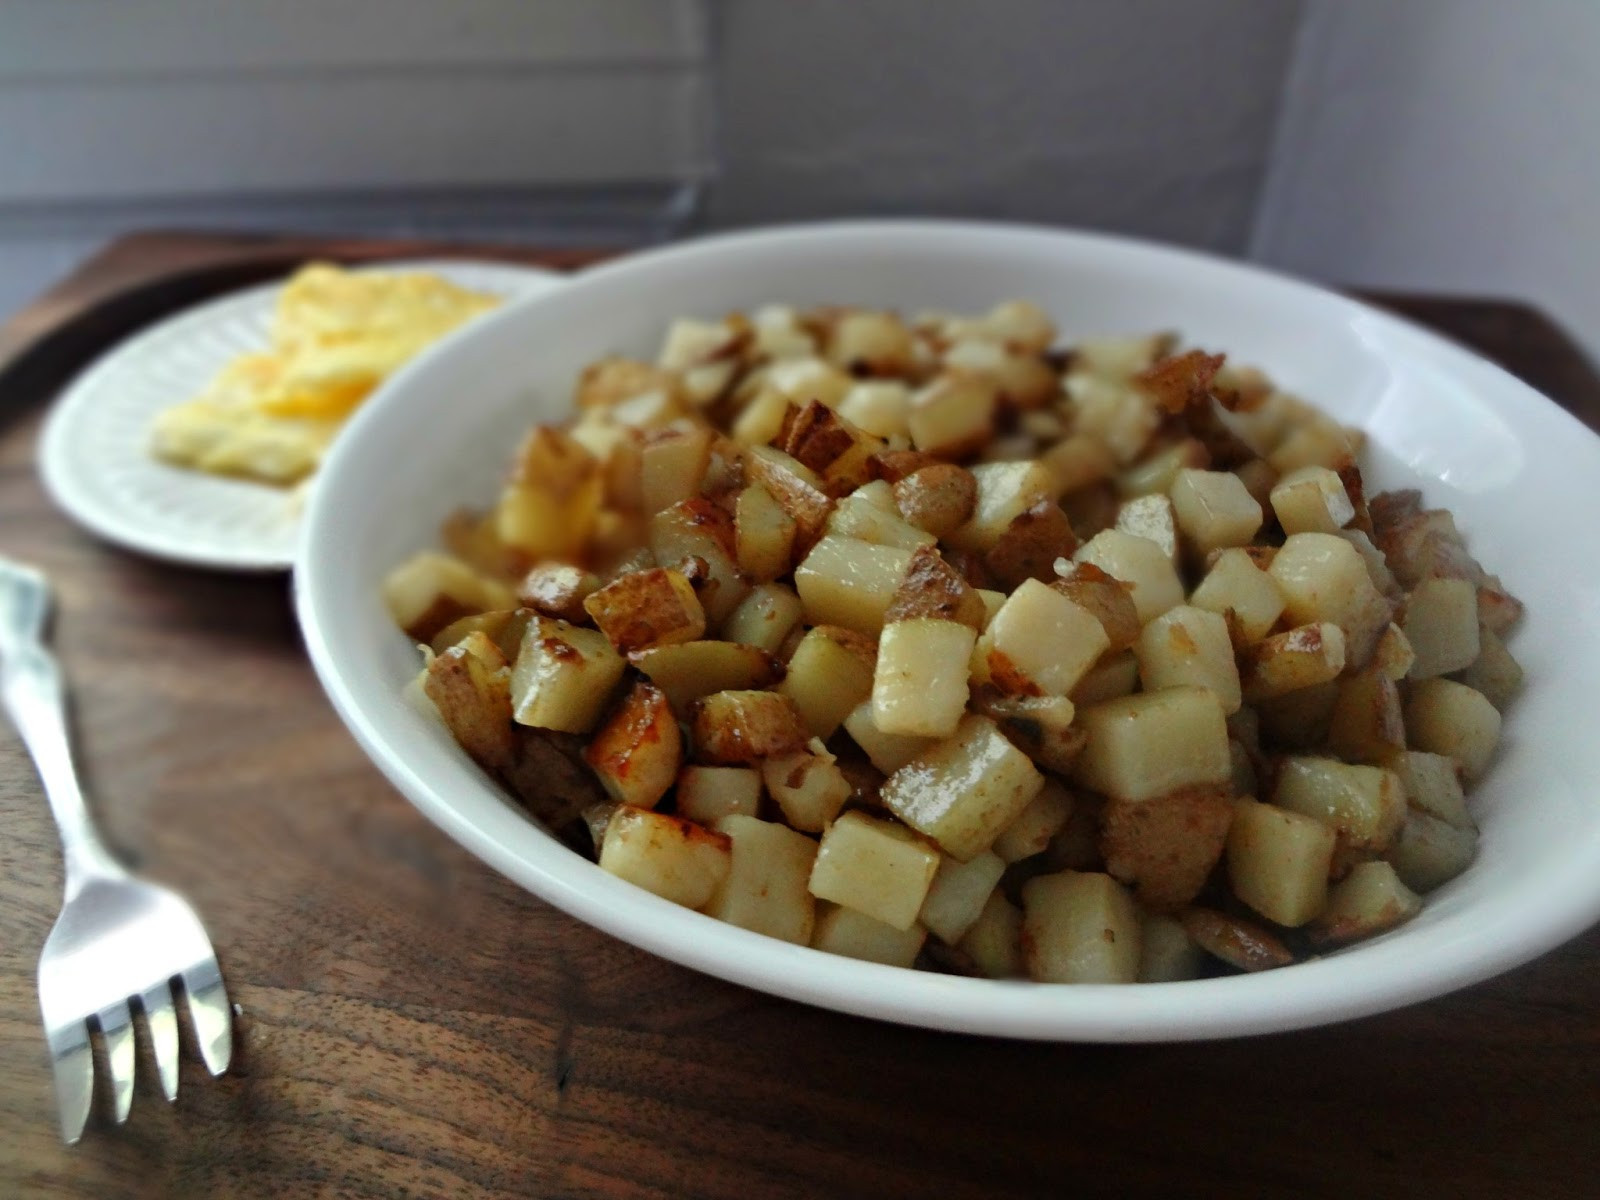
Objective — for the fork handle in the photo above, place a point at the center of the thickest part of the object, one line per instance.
(34, 695)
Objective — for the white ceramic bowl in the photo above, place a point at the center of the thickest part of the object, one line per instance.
(1522, 476)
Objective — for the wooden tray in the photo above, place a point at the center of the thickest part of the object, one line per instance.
(416, 1025)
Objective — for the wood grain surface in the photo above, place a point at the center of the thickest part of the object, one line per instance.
(415, 1025)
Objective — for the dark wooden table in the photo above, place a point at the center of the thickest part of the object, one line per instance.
(415, 1025)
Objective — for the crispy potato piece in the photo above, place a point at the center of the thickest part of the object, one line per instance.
(1367, 725)
(556, 589)
(1031, 545)
(1237, 942)
(894, 465)
(1109, 600)
(504, 628)
(745, 726)
(797, 490)
(687, 671)
(550, 502)
(1182, 381)
(1006, 490)
(471, 687)
(953, 416)
(430, 591)
(1364, 805)
(1368, 901)
(763, 534)
(657, 607)
(613, 380)
(699, 529)
(931, 590)
(830, 672)
(1041, 642)
(1292, 661)
(937, 498)
(1166, 847)
(1040, 726)
(564, 676)
(674, 858)
(838, 452)
(548, 774)
(1141, 564)
(637, 752)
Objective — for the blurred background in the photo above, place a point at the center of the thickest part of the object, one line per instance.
(1430, 145)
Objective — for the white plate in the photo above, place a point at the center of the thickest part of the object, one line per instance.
(1522, 476)
(94, 453)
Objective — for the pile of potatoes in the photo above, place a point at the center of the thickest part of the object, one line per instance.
(925, 642)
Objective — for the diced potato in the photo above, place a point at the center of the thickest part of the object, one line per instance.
(920, 683)
(1237, 942)
(564, 676)
(613, 380)
(805, 379)
(1110, 600)
(1366, 725)
(853, 934)
(1158, 471)
(549, 505)
(1446, 717)
(763, 534)
(1047, 813)
(689, 670)
(744, 726)
(1432, 783)
(867, 522)
(1121, 416)
(1291, 662)
(820, 439)
(993, 601)
(1141, 564)
(887, 751)
(1078, 461)
(1080, 927)
(765, 617)
(1005, 490)
(1394, 655)
(881, 407)
(1166, 847)
(430, 591)
(765, 889)
(690, 343)
(1025, 381)
(938, 498)
(707, 794)
(779, 334)
(1299, 719)
(808, 787)
(1154, 743)
(994, 943)
(1430, 852)
(1312, 499)
(1278, 862)
(1364, 805)
(674, 858)
(1040, 642)
(795, 487)
(1235, 584)
(1369, 900)
(1498, 609)
(1441, 623)
(470, 690)
(1323, 578)
(953, 416)
(672, 464)
(1258, 478)
(1040, 726)
(874, 343)
(1495, 672)
(1166, 951)
(933, 590)
(1186, 645)
(697, 528)
(1121, 357)
(637, 752)
(761, 419)
(1214, 509)
(830, 673)
(850, 583)
(1151, 517)
(962, 792)
(958, 895)
(1031, 546)
(1377, 566)
(875, 867)
(557, 590)
(657, 607)
(1114, 675)
(649, 410)
(1321, 444)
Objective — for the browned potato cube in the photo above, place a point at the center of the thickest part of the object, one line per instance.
(1005, 490)
(672, 465)
(1364, 805)
(1312, 499)
(796, 488)
(1366, 725)
(1394, 655)
(698, 529)
(707, 794)
(878, 868)
(953, 416)
(1113, 411)
(471, 690)
(1110, 600)
(1323, 578)
(1139, 563)
(763, 534)
(1077, 462)
(765, 887)
(859, 516)
(1187, 645)
(1166, 847)
(839, 453)
(549, 505)
(1278, 862)
(564, 676)
(1446, 717)
(808, 787)
(743, 726)
(1369, 900)
(1292, 661)
(1040, 726)
(1235, 584)
(1441, 624)
(689, 670)
(1299, 719)
(613, 380)
(1080, 927)
(657, 607)
(636, 753)
(557, 590)
(937, 498)
(850, 583)
(1046, 815)
(830, 673)
(1154, 743)
(430, 591)
(962, 792)
(1116, 674)
(871, 343)
(674, 858)
(1041, 642)
(1031, 546)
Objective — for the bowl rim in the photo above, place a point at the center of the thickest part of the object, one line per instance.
(1306, 994)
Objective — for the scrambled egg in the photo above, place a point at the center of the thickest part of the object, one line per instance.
(336, 336)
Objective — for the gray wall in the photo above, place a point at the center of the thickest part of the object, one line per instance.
(1149, 116)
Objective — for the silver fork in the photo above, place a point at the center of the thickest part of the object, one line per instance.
(120, 944)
